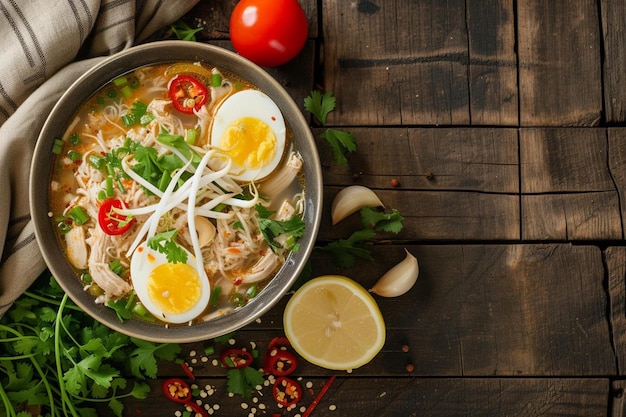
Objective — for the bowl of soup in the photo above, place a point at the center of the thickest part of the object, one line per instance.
(176, 192)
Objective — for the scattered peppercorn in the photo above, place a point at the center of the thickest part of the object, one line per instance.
(429, 175)
(405, 348)
(410, 368)
(395, 182)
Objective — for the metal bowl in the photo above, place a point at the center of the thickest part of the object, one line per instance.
(56, 124)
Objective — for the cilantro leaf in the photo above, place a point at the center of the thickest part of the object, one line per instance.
(143, 359)
(319, 105)
(271, 229)
(346, 251)
(382, 221)
(164, 243)
(184, 32)
(341, 142)
(244, 380)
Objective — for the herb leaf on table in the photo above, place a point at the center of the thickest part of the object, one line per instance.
(58, 358)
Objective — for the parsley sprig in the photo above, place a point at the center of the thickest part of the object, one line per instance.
(341, 142)
(165, 243)
(345, 252)
(57, 357)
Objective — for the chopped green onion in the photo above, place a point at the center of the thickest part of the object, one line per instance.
(86, 278)
(57, 148)
(109, 186)
(190, 138)
(62, 224)
(126, 91)
(74, 139)
(216, 80)
(120, 81)
(97, 161)
(102, 195)
(134, 83)
(111, 93)
(129, 119)
(215, 296)
(238, 299)
(120, 185)
(164, 181)
(74, 156)
(146, 119)
(209, 350)
(78, 215)
(117, 267)
(252, 291)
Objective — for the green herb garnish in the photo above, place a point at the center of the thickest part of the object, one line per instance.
(341, 142)
(164, 243)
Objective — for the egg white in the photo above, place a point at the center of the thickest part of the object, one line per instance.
(255, 104)
(143, 261)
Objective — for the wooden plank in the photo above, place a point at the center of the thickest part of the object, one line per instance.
(617, 166)
(438, 215)
(407, 397)
(397, 62)
(613, 18)
(616, 272)
(478, 310)
(492, 63)
(469, 159)
(568, 192)
(559, 63)
(618, 399)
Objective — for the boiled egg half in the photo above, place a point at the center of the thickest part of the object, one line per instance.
(172, 292)
(249, 128)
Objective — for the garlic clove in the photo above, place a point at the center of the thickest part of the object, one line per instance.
(352, 199)
(399, 279)
(206, 230)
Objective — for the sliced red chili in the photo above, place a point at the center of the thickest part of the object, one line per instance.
(111, 222)
(279, 362)
(236, 358)
(279, 342)
(187, 93)
(177, 390)
(286, 391)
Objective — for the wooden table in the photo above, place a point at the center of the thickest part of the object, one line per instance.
(515, 108)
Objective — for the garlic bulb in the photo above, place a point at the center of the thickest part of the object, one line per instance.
(399, 279)
(350, 200)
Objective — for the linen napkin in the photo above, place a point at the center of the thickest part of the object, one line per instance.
(45, 45)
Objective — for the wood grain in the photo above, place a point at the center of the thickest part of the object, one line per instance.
(559, 63)
(492, 63)
(613, 39)
(397, 62)
(568, 191)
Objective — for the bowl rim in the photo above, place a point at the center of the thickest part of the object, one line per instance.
(55, 125)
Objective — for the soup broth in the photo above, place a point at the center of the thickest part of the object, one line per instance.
(177, 193)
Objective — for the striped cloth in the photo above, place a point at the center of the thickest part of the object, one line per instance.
(45, 46)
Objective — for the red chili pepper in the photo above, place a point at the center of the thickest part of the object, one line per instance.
(286, 391)
(187, 371)
(279, 362)
(111, 222)
(279, 342)
(177, 390)
(319, 396)
(236, 358)
(187, 93)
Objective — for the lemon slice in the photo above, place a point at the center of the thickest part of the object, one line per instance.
(333, 322)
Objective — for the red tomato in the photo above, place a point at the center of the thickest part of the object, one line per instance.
(113, 223)
(268, 32)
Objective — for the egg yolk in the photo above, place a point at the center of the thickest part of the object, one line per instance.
(250, 142)
(174, 288)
